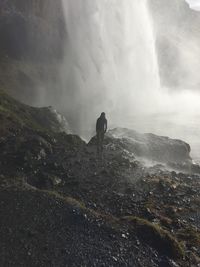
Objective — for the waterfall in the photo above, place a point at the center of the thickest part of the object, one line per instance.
(110, 61)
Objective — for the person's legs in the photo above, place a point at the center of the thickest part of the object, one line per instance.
(101, 142)
(100, 138)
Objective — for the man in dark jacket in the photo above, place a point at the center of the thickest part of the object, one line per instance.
(101, 128)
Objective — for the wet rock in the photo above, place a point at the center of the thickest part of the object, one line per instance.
(151, 146)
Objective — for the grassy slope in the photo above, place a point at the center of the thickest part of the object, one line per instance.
(17, 116)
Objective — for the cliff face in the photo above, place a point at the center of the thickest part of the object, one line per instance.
(32, 29)
(32, 35)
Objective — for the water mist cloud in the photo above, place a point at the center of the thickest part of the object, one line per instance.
(177, 34)
(113, 64)
(194, 4)
(110, 61)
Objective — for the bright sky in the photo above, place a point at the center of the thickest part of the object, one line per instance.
(194, 4)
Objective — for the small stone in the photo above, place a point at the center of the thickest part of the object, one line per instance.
(137, 242)
(114, 258)
(173, 263)
(194, 249)
(124, 236)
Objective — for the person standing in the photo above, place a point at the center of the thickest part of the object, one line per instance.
(101, 128)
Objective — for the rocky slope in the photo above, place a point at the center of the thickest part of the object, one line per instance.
(62, 205)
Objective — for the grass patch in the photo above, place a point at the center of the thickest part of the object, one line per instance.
(156, 237)
(190, 236)
(148, 232)
(17, 115)
(16, 112)
(68, 200)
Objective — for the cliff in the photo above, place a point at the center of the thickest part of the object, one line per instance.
(32, 44)
(32, 30)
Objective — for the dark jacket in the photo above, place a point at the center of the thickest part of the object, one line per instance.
(101, 125)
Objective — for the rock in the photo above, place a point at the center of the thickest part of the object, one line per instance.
(173, 264)
(195, 168)
(153, 147)
(56, 180)
(32, 23)
(41, 154)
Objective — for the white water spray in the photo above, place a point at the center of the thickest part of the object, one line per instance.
(194, 4)
(111, 65)
(110, 62)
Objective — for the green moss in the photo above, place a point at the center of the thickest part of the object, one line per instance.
(152, 234)
(68, 200)
(157, 237)
(109, 220)
(190, 236)
(18, 115)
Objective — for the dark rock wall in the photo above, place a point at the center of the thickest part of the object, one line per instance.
(32, 41)
(32, 29)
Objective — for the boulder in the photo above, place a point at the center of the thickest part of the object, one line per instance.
(151, 147)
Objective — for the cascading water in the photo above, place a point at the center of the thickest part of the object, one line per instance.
(111, 65)
(110, 62)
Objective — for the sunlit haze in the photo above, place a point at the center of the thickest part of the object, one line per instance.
(112, 64)
(194, 4)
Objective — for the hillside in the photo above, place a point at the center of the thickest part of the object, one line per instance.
(61, 205)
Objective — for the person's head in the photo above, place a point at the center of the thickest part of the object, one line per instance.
(103, 115)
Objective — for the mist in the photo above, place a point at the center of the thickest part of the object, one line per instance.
(110, 62)
(125, 58)
(194, 4)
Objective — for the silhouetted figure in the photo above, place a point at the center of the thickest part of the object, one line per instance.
(101, 128)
